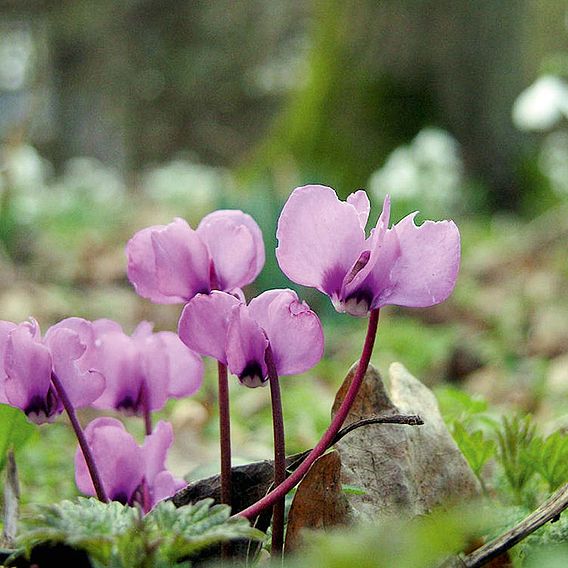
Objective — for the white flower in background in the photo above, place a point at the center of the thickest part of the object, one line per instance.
(542, 105)
(553, 161)
(182, 180)
(429, 168)
(89, 176)
(24, 173)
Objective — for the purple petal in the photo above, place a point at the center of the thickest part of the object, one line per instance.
(27, 363)
(85, 331)
(418, 266)
(82, 386)
(294, 331)
(102, 326)
(246, 347)
(355, 299)
(184, 365)
(182, 261)
(119, 362)
(118, 457)
(165, 485)
(361, 202)
(155, 371)
(319, 238)
(143, 330)
(155, 449)
(236, 246)
(168, 264)
(141, 268)
(203, 324)
(5, 328)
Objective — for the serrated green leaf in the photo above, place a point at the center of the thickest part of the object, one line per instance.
(86, 524)
(476, 448)
(185, 531)
(117, 536)
(517, 444)
(551, 459)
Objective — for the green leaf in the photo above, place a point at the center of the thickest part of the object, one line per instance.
(15, 431)
(353, 490)
(185, 531)
(476, 448)
(517, 445)
(118, 536)
(551, 459)
(86, 524)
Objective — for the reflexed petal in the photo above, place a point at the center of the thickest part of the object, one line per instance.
(120, 365)
(319, 238)
(85, 331)
(203, 324)
(155, 449)
(185, 366)
(182, 261)
(143, 330)
(119, 459)
(141, 268)
(155, 369)
(165, 485)
(373, 251)
(82, 386)
(419, 265)
(27, 364)
(360, 201)
(5, 328)
(236, 246)
(294, 331)
(103, 325)
(246, 347)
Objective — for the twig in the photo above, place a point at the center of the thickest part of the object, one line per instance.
(550, 510)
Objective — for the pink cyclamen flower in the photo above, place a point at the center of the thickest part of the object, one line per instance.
(170, 264)
(130, 473)
(322, 244)
(225, 328)
(144, 370)
(28, 361)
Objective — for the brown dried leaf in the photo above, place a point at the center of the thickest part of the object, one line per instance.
(319, 502)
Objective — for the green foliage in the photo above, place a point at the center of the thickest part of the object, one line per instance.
(404, 543)
(517, 444)
(118, 536)
(15, 431)
(457, 406)
(475, 446)
(550, 457)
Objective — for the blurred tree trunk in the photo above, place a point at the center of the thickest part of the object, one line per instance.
(381, 71)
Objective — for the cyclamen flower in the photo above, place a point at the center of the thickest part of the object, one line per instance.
(28, 361)
(170, 264)
(130, 473)
(225, 328)
(144, 370)
(322, 244)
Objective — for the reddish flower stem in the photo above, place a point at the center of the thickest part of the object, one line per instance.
(146, 412)
(327, 439)
(88, 455)
(279, 454)
(225, 434)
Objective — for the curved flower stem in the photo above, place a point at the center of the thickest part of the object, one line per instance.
(327, 439)
(279, 454)
(88, 455)
(225, 434)
(146, 412)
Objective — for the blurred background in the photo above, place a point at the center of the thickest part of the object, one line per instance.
(115, 115)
